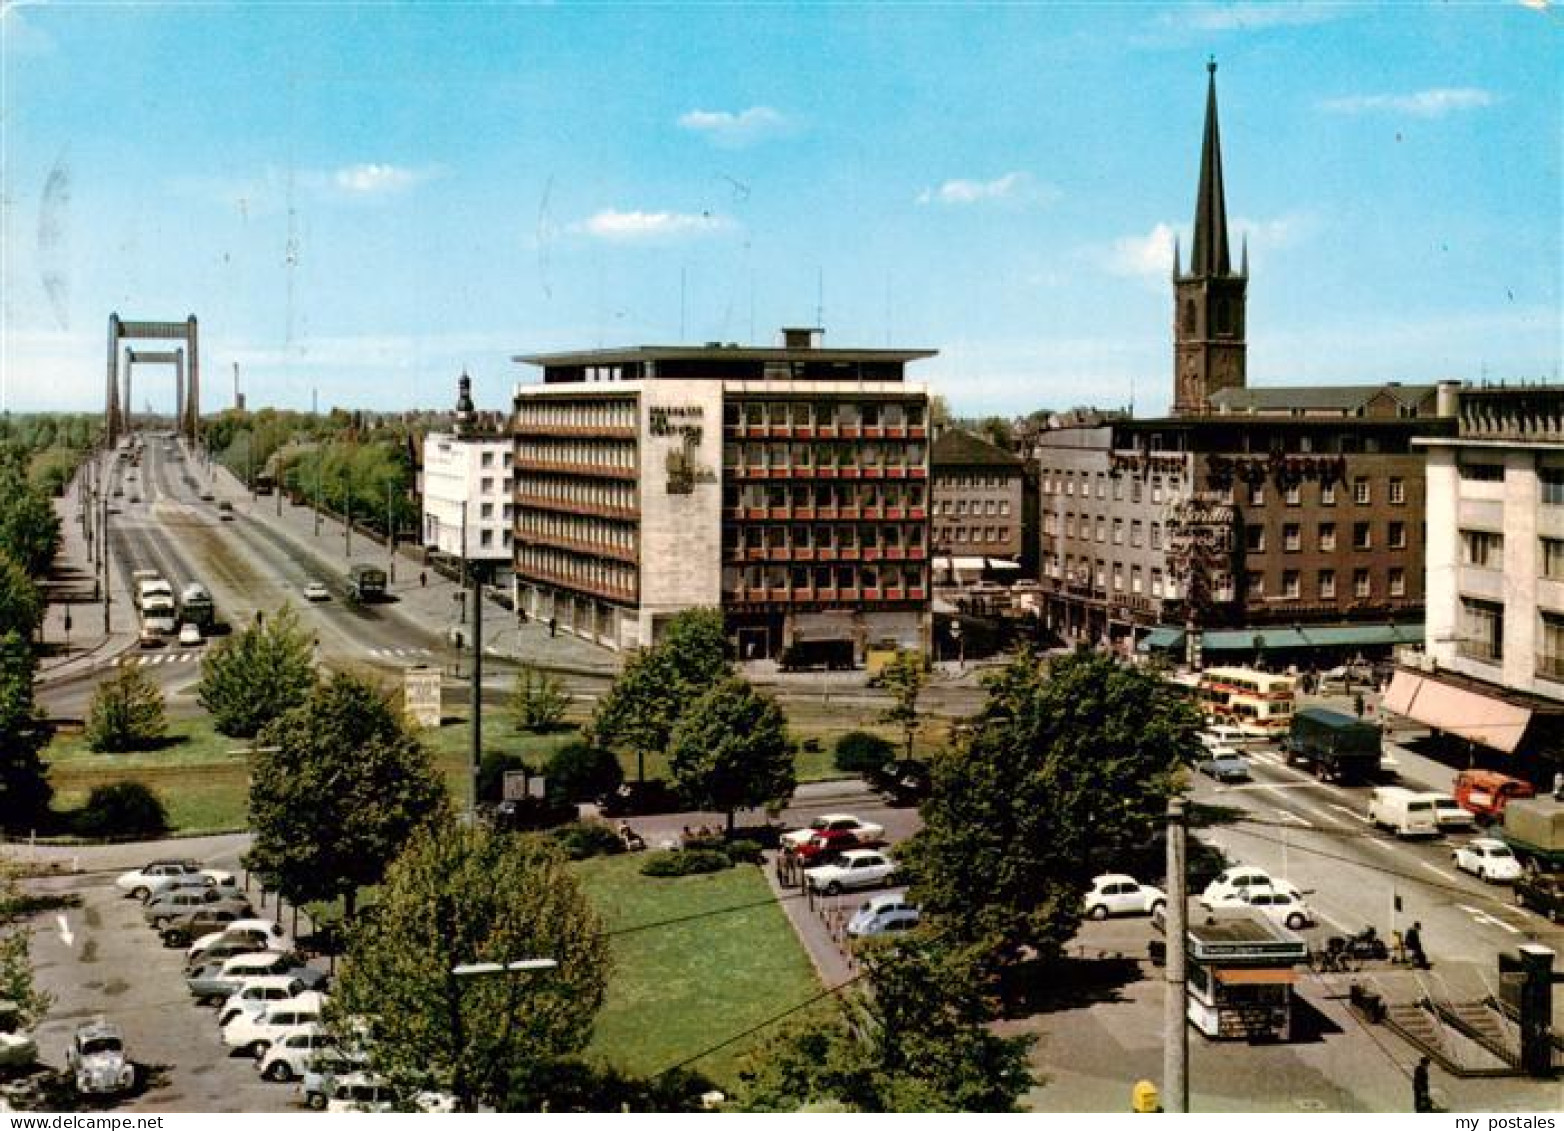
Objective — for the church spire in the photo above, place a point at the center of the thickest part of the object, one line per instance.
(1209, 256)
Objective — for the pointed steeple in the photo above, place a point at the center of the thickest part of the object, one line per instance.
(1209, 256)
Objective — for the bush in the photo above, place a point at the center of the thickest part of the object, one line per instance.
(123, 809)
(126, 713)
(685, 862)
(580, 771)
(492, 770)
(859, 752)
(744, 852)
(589, 838)
(538, 701)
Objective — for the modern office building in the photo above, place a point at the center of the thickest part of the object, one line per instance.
(978, 513)
(466, 485)
(1492, 670)
(788, 486)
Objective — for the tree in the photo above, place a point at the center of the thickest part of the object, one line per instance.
(539, 700)
(254, 676)
(582, 771)
(337, 787)
(459, 896)
(16, 969)
(904, 677)
(862, 752)
(21, 608)
(126, 712)
(29, 528)
(122, 809)
(730, 750)
(24, 786)
(1068, 767)
(921, 1043)
(658, 684)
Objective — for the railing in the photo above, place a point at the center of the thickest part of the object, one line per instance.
(590, 470)
(585, 431)
(567, 506)
(579, 546)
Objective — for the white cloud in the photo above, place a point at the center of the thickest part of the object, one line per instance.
(1012, 186)
(1434, 103)
(611, 224)
(723, 127)
(19, 36)
(371, 178)
(1148, 256)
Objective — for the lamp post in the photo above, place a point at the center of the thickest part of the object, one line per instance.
(390, 536)
(460, 1086)
(319, 470)
(477, 572)
(347, 516)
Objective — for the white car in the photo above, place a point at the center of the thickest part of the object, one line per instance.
(269, 934)
(361, 1091)
(1232, 883)
(189, 634)
(295, 1053)
(1114, 894)
(1489, 860)
(142, 880)
(17, 1047)
(258, 995)
(254, 1033)
(96, 1060)
(883, 915)
(1450, 813)
(1282, 904)
(866, 831)
(316, 591)
(226, 883)
(857, 868)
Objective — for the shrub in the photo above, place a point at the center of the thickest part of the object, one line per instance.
(589, 838)
(685, 862)
(126, 713)
(860, 752)
(580, 771)
(539, 700)
(744, 852)
(123, 809)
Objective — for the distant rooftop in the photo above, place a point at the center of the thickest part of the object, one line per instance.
(719, 351)
(956, 447)
(1389, 399)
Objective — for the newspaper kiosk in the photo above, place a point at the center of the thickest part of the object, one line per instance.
(1241, 970)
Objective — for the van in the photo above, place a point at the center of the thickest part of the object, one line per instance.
(1221, 735)
(1403, 812)
(1448, 813)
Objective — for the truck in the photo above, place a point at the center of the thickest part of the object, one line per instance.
(152, 589)
(196, 607)
(1534, 829)
(1487, 793)
(366, 583)
(1335, 746)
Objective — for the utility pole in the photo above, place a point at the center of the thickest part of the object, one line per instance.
(347, 507)
(464, 556)
(103, 533)
(477, 676)
(390, 537)
(319, 471)
(1175, 1003)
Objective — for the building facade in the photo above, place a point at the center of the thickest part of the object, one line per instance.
(467, 488)
(788, 486)
(1492, 670)
(978, 512)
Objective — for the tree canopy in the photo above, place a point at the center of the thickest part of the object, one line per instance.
(21, 607)
(126, 712)
(24, 786)
(459, 896)
(658, 684)
(29, 528)
(337, 787)
(16, 969)
(1068, 767)
(730, 750)
(258, 673)
(904, 678)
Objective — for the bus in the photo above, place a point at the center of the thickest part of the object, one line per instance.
(1257, 703)
(195, 606)
(366, 583)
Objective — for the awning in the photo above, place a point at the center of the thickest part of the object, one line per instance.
(1255, 976)
(1248, 639)
(1161, 638)
(1310, 636)
(1481, 718)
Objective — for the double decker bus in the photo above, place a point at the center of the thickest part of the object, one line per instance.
(1257, 703)
(366, 583)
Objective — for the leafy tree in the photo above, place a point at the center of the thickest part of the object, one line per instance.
(464, 895)
(538, 701)
(731, 751)
(922, 1043)
(126, 712)
(29, 528)
(255, 675)
(904, 677)
(16, 969)
(573, 1085)
(337, 787)
(24, 786)
(122, 809)
(582, 771)
(1070, 764)
(860, 752)
(657, 685)
(21, 608)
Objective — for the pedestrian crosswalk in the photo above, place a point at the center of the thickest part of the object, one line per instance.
(399, 653)
(147, 659)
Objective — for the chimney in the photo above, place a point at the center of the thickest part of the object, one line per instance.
(1447, 397)
(801, 337)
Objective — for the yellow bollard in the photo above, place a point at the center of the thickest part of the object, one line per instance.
(1144, 1097)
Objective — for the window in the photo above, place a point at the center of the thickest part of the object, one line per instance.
(1327, 536)
(1102, 485)
(1362, 537)
(1156, 536)
(989, 508)
(1327, 585)
(1482, 548)
(1257, 586)
(1292, 537)
(1135, 491)
(1102, 529)
(1156, 583)
(1398, 492)
(1004, 508)
(1550, 650)
(1291, 585)
(1327, 494)
(1398, 582)
(1118, 578)
(1136, 581)
(961, 506)
(1118, 532)
(486, 510)
(1482, 629)
(1483, 472)
(1396, 538)
(1156, 488)
(1257, 494)
(1552, 486)
(1069, 483)
(1553, 559)
(1360, 490)
(1118, 488)
(488, 485)
(1293, 495)
(1361, 586)
(1137, 532)
(1254, 538)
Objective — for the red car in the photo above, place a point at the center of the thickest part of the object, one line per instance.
(828, 842)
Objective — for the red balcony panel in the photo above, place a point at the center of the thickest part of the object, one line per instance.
(827, 431)
(804, 594)
(849, 431)
(871, 594)
(827, 593)
(848, 594)
(825, 473)
(893, 593)
(803, 554)
(780, 512)
(756, 553)
(917, 513)
(915, 553)
(803, 431)
(804, 512)
(849, 553)
(915, 593)
(916, 432)
(755, 512)
(782, 431)
(895, 553)
(849, 472)
(896, 472)
(917, 473)
(873, 432)
(895, 512)
(826, 513)
(847, 512)
(827, 553)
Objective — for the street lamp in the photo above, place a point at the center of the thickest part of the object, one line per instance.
(459, 1078)
(479, 969)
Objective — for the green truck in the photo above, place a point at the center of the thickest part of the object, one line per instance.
(1534, 829)
(1337, 747)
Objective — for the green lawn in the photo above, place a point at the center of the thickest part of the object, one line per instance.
(697, 960)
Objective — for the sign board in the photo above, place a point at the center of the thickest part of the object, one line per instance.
(519, 784)
(421, 696)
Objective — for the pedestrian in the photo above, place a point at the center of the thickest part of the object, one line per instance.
(1357, 704)
(423, 579)
(1421, 1100)
(553, 626)
(1414, 947)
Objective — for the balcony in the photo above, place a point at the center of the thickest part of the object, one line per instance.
(574, 431)
(566, 506)
(588, 470)
(596, 589)
(578, 546)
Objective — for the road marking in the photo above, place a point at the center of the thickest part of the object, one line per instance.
(1264, 785)
(1288, 815)
(1483, 917)
(1434, 868)
(1353, 813)
(66, 936)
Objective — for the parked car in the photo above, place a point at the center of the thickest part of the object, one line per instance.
(1448, 812)
(1233, 882)
(320, 1078)
(180, 930)
(222, 950)
(17, 1047)
(883, 915)
(96, 1060)
(906, 781)
(257, 994)
(361, 1092)
(294, 1054)
(826, 845)
(215, 980)
(1489, 860)
(1282, 904)
(866, 831)
(1403, 812)
(1543, 892)
(225, 511)
(1224, 765)
(254, 1033)
(1115, 894)
(149, 637)
(267, 934)
(224, 882)
(316, 591)
(858, 868)
(189, 635)
(139, 882)
(161, 910)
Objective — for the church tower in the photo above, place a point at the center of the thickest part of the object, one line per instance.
(1208, 300)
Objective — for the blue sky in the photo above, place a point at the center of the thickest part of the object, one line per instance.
(364, 199)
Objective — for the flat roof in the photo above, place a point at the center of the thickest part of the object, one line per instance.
(622, 354)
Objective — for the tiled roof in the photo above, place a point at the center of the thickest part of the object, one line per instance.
(958, 448)
(1345, 399)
